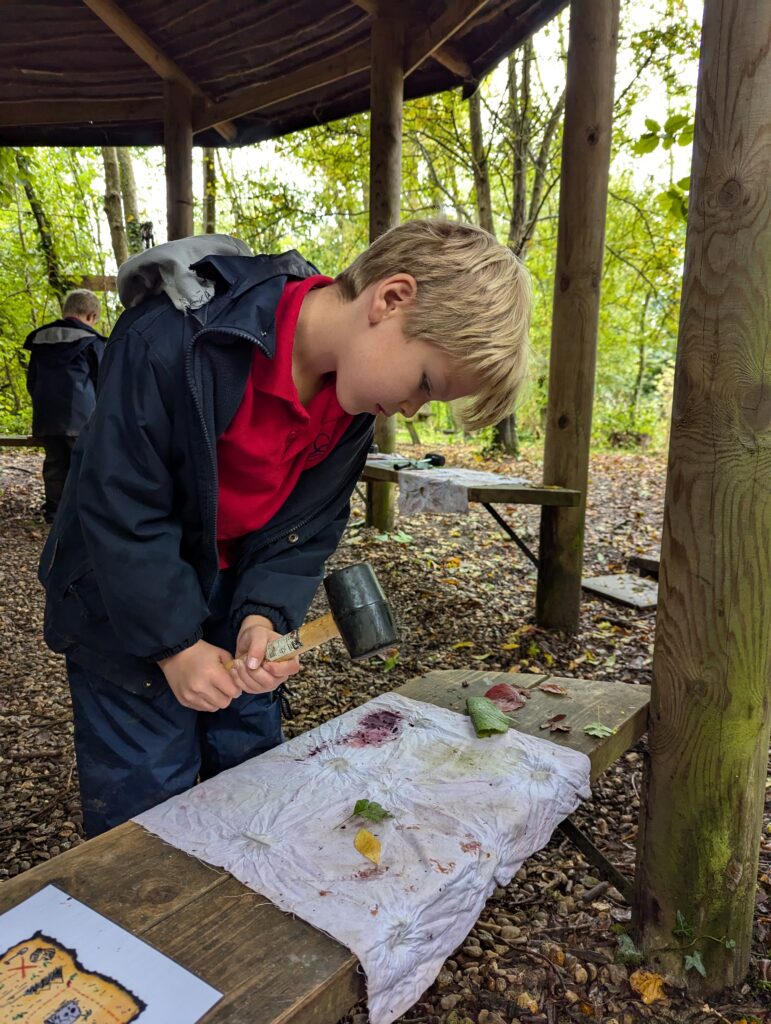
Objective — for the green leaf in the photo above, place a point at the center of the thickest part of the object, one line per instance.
(667, 141)
(486, 716)
(684, 184)
(598, 729)
(371, 810)
(693, 962)
(401, 537)
(645, 144)
(627, 952)
(674, 123)
(651, 125)
(685, 137)
(730, 943)
(682, 929)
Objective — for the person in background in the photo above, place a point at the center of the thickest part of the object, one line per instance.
(61, 379)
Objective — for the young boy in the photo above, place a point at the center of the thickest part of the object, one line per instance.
(64, 358)
(214, 479)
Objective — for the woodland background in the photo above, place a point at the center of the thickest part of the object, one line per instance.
(492, 159)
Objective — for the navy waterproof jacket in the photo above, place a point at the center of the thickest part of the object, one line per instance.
(132, 558)
(61, 377)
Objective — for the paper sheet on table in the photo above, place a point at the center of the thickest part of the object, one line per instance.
(466, 813)
(444, 489)
(62, 963)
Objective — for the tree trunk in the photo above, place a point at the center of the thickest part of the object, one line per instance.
(506, 436)
(209, 205)
(710, 710)
(479, 158)
(60, 283)
(128, 187)
(113, 205)
(580, 244)
(386, 100)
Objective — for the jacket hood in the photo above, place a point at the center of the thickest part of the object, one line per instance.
(168, 269)
(61, 338)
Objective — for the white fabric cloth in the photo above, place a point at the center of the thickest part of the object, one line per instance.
(445, 489)
(166, 268)
(466, 813)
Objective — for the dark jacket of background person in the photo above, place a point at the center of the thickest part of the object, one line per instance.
(131, 560)
(61, 377)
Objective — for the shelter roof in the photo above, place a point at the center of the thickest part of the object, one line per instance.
(91, 72)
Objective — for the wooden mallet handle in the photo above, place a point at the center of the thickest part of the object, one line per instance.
(311, 635)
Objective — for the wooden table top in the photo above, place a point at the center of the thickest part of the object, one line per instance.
(492, 493)
(271, 967)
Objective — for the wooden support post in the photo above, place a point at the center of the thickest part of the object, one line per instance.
(710, 717)
(580, 242)
(178, 144)
(385, 185)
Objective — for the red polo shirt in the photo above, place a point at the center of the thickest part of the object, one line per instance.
(272, 438)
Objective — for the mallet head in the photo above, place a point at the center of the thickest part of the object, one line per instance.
(361, 610)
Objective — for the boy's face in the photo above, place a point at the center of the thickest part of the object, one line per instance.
(383, 371)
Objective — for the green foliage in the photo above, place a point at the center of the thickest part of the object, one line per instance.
(371, 810)
(486, 717)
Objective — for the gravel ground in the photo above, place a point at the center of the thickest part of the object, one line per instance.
(546, 948)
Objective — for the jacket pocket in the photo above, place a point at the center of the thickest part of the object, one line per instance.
(85, 592)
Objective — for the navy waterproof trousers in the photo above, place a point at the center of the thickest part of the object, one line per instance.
(135, 751)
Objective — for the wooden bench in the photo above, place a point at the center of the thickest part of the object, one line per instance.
(273, 968)
(18, 441)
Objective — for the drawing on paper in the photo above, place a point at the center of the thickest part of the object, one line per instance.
(43, 982)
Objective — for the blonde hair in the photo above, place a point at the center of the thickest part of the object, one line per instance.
(473, 302)
(80, 302)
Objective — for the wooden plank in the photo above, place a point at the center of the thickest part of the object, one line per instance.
(494, 494)
(130, 876)
(284, 87)
(146, 49)
(451, 20)
(14, 113)
(273, 967)
(446, 54)
(647, 564)
(624, 589)
(620, 706)
(18, 441)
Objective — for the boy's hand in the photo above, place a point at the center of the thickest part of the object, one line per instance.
(198, 677)
(250, 670)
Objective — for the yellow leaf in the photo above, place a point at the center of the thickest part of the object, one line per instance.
(648, 986)
(526, 1002)
(367, 845)
(509, 647)
(463, 643)
(452, 563)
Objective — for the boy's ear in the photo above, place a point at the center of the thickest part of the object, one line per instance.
(391, 296)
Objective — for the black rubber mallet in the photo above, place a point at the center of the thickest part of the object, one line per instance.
(359, 614)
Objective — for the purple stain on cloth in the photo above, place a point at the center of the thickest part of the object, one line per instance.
(377, 728)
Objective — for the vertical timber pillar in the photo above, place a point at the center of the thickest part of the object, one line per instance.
(702, 812)
(580, 241)
(178, 146)
(385, 186)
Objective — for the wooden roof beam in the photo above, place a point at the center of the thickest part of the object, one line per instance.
(143, 46)
(312, 76)
(446, 54)
(15, 113)
(435, 36)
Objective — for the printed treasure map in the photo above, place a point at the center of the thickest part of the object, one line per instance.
(42, 982)
(61, 962)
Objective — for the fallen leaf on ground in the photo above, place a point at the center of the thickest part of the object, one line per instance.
(507, 697)
(367, 845)
(526, 1002)
(556, 723)
(553, 688)
(648, 986)
(487, 717)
